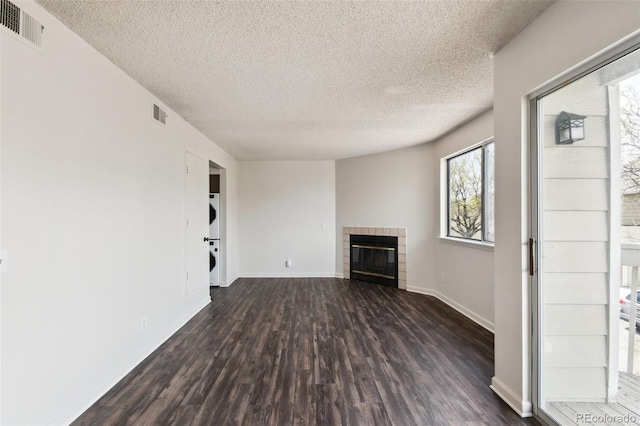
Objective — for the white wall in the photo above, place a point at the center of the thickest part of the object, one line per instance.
(92, 225)
(562, 37)
(467, 267)
(229, 183)
(392, 189)
(287, 209)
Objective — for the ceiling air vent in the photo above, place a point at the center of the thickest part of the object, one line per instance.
(159, 114)
(20, 22)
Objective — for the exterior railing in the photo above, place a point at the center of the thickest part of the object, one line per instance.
(631, 258)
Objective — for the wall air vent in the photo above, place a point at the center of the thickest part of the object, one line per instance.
(32, 29)
(20, 22)
(10, 15)
(159, 114)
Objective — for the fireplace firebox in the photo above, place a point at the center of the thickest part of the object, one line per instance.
(374, 259)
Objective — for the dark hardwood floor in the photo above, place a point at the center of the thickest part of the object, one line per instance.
(314, 352)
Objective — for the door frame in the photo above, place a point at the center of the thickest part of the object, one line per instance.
(222, 251)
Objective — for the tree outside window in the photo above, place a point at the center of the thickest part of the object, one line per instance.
(630, 132)
(471, 194)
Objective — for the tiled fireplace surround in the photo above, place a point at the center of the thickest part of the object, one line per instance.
(401, 233)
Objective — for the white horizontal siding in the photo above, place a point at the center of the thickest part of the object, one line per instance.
(630, 255)
(631, 210)
(575, 384)
(576, 162)
(576, 194)
(575, 351)
(576, 225)
(581, 97)
(576, 256)
(575, 261)
(575, 320)
(576, 288)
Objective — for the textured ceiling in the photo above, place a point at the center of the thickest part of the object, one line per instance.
(294, 80)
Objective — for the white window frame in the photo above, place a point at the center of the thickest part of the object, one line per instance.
(444, 199)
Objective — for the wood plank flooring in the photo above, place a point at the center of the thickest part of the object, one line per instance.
(627, 406)
(317, 351)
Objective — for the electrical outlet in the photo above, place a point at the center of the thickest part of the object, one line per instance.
(442, 276)
(287, 262)
(143, 324)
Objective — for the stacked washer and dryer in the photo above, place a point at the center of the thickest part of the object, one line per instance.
(214, 239)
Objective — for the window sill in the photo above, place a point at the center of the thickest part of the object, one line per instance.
(479, 245)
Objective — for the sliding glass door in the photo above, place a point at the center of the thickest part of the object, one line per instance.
(586, 234)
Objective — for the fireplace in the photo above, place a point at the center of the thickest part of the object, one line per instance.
(374, 258)
(399, 233)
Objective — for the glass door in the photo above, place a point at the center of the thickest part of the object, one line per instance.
(586, 178)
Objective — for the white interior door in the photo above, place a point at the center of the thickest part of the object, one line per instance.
(197, 223)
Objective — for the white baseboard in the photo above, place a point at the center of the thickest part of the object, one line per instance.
(523, 408)
(76, 409)
(481, 321)
(339, 275)
(228, 284)
(291, 275)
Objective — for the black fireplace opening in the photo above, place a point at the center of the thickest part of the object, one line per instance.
(374, 259)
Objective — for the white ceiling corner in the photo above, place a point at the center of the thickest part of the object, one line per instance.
(303, 80)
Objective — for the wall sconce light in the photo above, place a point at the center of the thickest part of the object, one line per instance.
(569, 128)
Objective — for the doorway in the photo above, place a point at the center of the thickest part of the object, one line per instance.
(218, 219)
(585, 180)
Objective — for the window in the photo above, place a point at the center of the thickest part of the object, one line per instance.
(471, 193)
